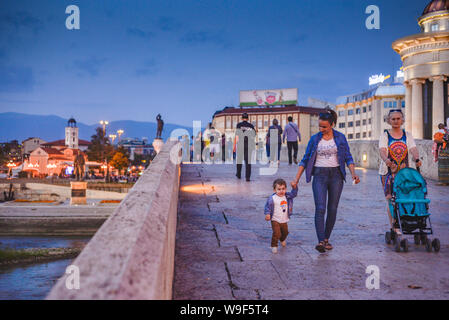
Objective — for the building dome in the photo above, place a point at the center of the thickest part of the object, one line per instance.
(71, 122)
(436, 5)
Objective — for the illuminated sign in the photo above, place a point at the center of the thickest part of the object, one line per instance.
(271, 97)
(378, 78)
(69, 171)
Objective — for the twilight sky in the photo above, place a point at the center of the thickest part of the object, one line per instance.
(132, 59)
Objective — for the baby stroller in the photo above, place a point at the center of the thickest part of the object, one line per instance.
(410, 210)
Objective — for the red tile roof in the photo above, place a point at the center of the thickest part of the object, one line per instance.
(52, 151)
(61, 142)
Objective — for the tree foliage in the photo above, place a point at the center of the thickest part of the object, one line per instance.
(100, 148)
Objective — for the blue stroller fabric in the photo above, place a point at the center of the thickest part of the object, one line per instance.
(409, 191)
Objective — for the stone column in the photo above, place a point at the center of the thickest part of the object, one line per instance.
(408, 106)
(437, 102)
(417, 109)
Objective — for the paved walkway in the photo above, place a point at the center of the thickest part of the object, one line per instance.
(223, 242)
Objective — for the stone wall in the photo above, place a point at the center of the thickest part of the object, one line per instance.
(429, 169)
(132, 254)
(43, 191)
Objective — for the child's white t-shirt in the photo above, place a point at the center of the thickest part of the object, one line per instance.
(280, 212)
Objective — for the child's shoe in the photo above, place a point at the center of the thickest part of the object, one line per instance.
(274, 249)
(284, 243)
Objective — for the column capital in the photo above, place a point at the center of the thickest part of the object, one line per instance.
(417, 81)
(438, 78)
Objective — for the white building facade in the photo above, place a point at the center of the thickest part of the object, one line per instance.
(425, 58)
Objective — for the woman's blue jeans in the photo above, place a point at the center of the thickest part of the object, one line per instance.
(327, 186)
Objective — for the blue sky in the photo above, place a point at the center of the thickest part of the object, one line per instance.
(186, 59)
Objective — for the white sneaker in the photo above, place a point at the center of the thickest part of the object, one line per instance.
(284, 243)
(274, 250)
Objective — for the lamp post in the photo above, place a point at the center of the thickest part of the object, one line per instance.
(104, 123)
(112, 137)
(10, 165)
(119, 132)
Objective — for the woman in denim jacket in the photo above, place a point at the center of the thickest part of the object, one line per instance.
(326, 156)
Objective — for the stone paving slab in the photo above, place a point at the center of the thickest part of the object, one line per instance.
(223, 242)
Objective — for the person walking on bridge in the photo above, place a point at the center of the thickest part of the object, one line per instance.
(247, 130)
(326, 156)
(292, 132)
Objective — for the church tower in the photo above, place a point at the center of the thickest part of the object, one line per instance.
(71, 134)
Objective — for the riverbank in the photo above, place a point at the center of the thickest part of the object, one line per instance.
(14, 257)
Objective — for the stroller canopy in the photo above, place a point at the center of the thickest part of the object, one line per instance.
(410, 189)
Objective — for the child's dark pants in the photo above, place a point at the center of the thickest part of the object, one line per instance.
(280, 232)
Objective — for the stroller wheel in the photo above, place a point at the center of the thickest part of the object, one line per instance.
(428, 245)
(404, 245)
(388, 237)
(436, 244)
(417, 239)
(397, 244)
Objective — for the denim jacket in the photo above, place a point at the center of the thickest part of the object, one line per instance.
(269, 206)
(343, 154)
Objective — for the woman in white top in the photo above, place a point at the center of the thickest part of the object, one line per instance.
(394, 147)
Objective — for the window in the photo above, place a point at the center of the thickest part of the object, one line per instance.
(385, 105)
(369, 134)
(350, 124)
(364, 134)
(341, 125)
(403, 103)
(434, 27)
(395, 104)
(357, 136)
(364, 109)
(350, 136)
(369, 121)
(350, 112)
(357, 111)
(357, 123)
(341, 113)
(364, 122)
(369, 108)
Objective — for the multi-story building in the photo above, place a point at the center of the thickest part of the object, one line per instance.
(31, 144)
(225, 120)
(136, 146)
(362, 116)
(425, 58)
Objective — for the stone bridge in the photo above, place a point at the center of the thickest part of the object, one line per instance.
(197, 232)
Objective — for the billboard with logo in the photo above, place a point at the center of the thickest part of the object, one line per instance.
(271, 97)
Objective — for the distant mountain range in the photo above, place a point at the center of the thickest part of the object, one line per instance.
(20, 126)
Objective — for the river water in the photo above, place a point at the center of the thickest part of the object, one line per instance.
(34, 281)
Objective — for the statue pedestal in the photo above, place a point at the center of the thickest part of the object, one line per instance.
(157, 144)
(79, 190)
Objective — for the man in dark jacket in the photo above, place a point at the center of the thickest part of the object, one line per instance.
(247, 131)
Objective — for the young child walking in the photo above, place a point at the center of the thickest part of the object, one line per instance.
(278, 210)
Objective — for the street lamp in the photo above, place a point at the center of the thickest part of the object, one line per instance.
(104, 123)
(10, 165)
(112, 137)
(120, 132)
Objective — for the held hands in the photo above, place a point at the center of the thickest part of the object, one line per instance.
(356, 179)
(267, 217)
(294, 184)
(419, 164)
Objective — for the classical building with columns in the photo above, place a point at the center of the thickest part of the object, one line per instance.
(425, 58)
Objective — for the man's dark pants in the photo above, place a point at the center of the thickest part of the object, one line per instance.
(247, 166)
(292, 145)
